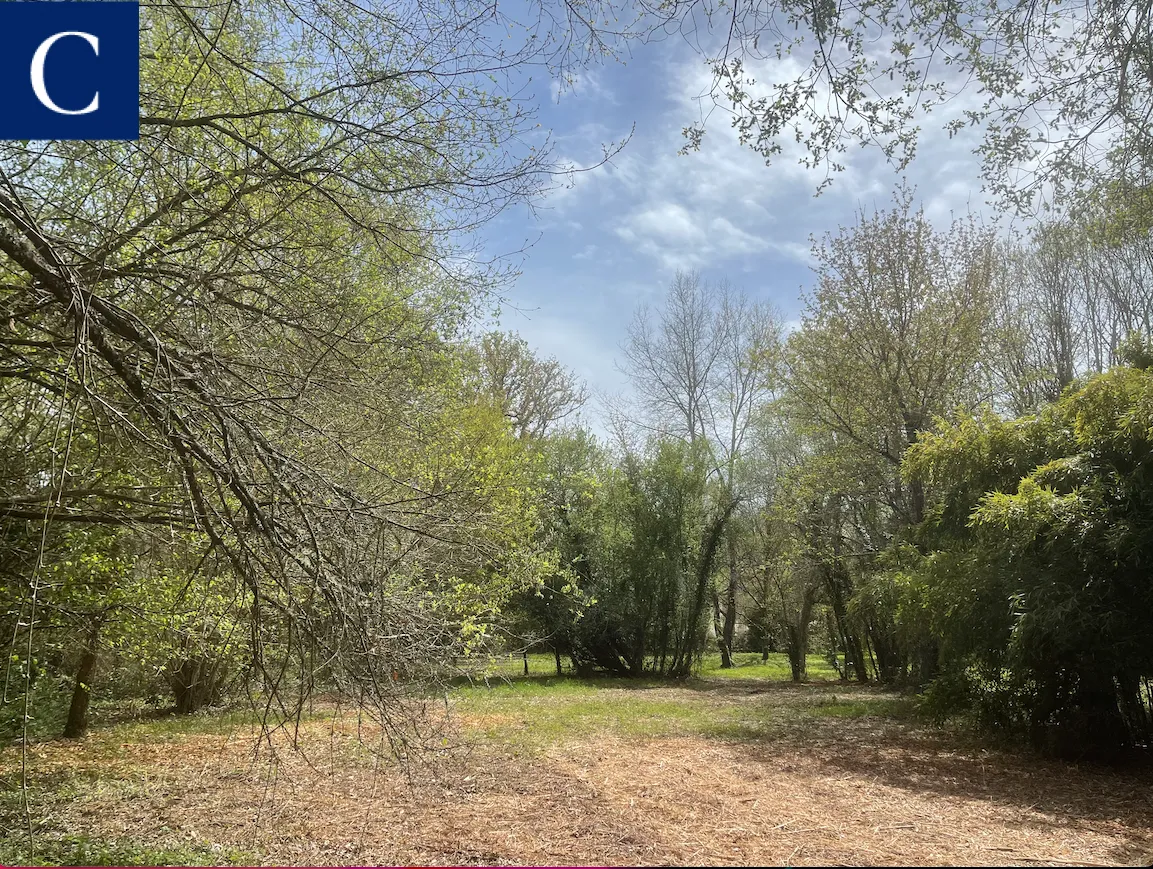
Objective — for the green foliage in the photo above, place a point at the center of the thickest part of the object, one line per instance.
(570, 466)
(1035, 575)
(648, 549)
(47, 701)
(1136, 351)
(1086, 70)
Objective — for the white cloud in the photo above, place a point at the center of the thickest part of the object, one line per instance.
(612, 239)
(721, 208)
(718, 207)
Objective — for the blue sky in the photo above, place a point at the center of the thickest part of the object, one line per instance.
(614, 239)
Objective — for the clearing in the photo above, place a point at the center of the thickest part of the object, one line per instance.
(740, 769)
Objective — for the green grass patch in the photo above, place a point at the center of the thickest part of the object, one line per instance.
(80, 850)
(512, 666)
(550, 709)
(864, 706)
(749, 665)
(543, 708)
(537, 711)
(170, 727)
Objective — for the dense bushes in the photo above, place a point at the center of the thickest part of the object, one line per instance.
(1036, 574)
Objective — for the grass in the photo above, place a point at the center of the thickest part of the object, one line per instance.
(544, 709)
(548, 710)
(56, 845)
(747, 665)
(172, 727)
(732, 766)
(80, 850)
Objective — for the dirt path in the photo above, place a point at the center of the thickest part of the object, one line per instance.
(857, 793)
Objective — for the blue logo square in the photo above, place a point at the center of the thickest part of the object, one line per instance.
(70, 70)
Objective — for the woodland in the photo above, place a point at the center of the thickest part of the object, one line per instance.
(262, 452)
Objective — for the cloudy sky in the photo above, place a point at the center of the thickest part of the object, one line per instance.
(614, 239)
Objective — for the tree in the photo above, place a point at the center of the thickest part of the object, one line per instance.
(643, 543)
(258, 304)
(701, 366)
(1034, 576)
(533, 394)
(894, 335)
(789, 578)
(1061, 93)
(750, 355)
(671, 358)
(573, 470)
(1067, 299)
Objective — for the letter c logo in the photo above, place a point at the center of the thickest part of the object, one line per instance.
(38, 72)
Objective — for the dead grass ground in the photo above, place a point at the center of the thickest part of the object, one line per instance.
(814, 790)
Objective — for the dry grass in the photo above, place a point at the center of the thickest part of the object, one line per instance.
(851, 791)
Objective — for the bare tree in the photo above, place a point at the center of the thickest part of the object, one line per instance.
(1068, 298)
(701, 367)
(670, 357)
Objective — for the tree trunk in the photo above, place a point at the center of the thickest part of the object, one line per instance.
(196, 680)
(834, 643)
(799, 638)
(682, 665)
(719, 629)
(928, 662)
(1137, 718)
(730, 627)
(77, 722)
(892, 663)
(916, 487)
(556, 652)
(854, 654)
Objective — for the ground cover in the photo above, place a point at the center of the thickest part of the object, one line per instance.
(545, 770)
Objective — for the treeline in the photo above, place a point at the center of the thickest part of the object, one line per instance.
(942, 471)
